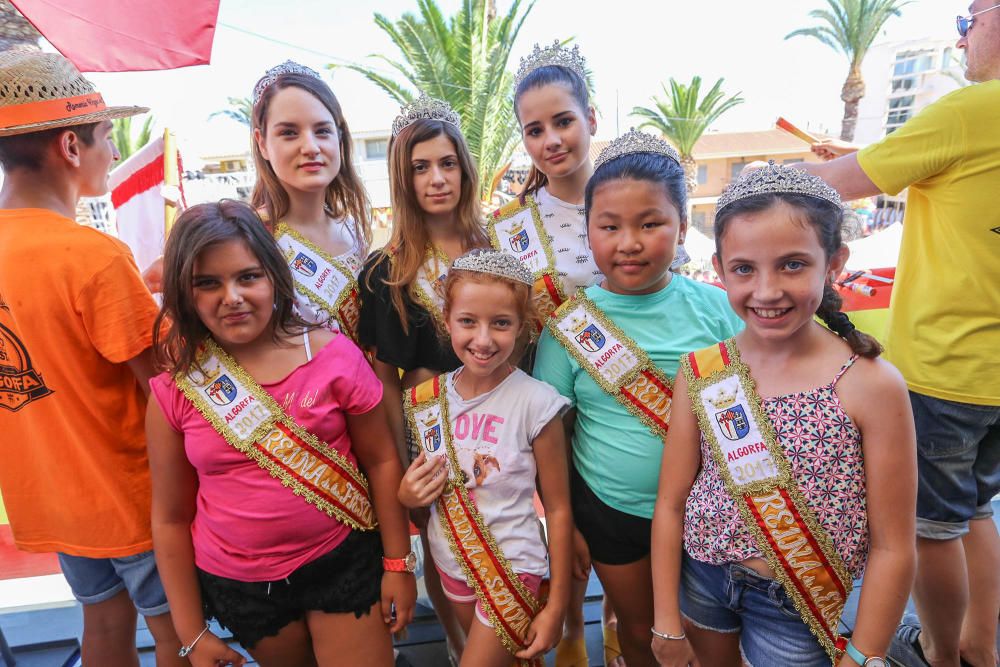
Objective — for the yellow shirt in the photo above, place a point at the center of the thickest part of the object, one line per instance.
(944, 319)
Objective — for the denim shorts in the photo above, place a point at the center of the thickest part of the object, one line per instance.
(94, 580)
(733, 598)
(958, 459)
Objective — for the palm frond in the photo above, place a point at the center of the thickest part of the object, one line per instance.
(463, 60)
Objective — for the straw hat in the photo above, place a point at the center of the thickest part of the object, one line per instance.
(39, 91)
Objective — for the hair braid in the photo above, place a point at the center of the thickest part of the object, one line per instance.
(839, 323)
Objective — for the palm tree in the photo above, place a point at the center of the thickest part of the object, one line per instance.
(121, 135)
(682, 118)
(15, 30)
(851, 26)
(240, 109)
(462, 60)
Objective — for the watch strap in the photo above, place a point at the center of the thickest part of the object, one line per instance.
(856, 655)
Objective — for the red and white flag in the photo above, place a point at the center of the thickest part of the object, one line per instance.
(145, 194)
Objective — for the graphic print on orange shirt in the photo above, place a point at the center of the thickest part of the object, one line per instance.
(20, 383)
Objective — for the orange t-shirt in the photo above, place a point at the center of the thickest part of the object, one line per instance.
(73, 464)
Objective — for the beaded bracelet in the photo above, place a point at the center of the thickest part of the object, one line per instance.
(668, 637)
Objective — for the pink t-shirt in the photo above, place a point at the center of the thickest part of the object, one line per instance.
(247, 526)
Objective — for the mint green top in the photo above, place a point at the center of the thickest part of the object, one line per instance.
(615, 453)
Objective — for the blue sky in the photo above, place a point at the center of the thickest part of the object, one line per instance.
(631, 46)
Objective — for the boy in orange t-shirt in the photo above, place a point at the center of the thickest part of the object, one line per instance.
(75, 331)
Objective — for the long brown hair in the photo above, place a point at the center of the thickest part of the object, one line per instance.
(345, 196)
(196, 229)
(409, 239)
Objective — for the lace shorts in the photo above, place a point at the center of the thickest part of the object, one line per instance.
(346, 580)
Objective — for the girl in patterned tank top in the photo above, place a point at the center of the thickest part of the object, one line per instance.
(847, 436)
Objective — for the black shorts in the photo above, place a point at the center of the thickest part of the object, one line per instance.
(613, 537)
(348, 579)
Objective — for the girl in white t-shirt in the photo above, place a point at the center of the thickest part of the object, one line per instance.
(309, 192)
(488, 431)
(553, 108)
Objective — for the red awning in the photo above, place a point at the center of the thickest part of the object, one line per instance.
(114, 36)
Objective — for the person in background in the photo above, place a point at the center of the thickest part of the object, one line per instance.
(943, 335)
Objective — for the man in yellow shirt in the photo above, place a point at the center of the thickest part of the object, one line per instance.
(944, 336)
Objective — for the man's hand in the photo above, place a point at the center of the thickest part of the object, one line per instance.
(830, 149)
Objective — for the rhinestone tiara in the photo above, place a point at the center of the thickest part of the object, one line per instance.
(635, 141)
(497, 263)
(777, 179)
(287, 67)
(552, 55)
(425, 107)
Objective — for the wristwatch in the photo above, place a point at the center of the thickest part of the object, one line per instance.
(863, 660)
(407, 563)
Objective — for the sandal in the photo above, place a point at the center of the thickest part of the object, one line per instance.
(612, 649)
(572, 653)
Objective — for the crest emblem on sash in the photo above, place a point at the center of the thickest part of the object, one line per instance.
(222, 391)
(733, 422)
(432, 438)
(304, 265)
(588, 336)
(519, 240)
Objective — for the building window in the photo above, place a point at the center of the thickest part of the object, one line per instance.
(702, 174)
(376, 149)
(900, 111)
(735, 169)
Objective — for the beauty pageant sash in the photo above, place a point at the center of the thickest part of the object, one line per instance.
(509, 604)
(328, 285)
(614, 361)
(517, 229)
(250, 420)
(757, 475)
(426, 284)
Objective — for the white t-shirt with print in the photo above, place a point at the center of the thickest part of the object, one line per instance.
(567, 229)
(492, 435)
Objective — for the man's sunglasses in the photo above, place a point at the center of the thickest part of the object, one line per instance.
(964, 23)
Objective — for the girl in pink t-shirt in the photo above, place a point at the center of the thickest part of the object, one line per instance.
(265, 523)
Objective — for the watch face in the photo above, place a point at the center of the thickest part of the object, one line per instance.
(410, 561)
(876, 662)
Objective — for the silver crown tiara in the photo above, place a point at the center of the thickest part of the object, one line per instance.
(287, 67)
(635, 141)
(551, 55)
(494, 262)
(425, 107)
(773, 179)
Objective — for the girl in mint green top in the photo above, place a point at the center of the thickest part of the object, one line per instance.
(636, 206)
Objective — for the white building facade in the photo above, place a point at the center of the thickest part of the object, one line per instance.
(901, 79)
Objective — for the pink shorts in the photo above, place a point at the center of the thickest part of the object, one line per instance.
(458, 591)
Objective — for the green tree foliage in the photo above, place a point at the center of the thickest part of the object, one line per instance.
(682, 115)
(125, 142)
(240, 109)
(462, 60)
(851, 27)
